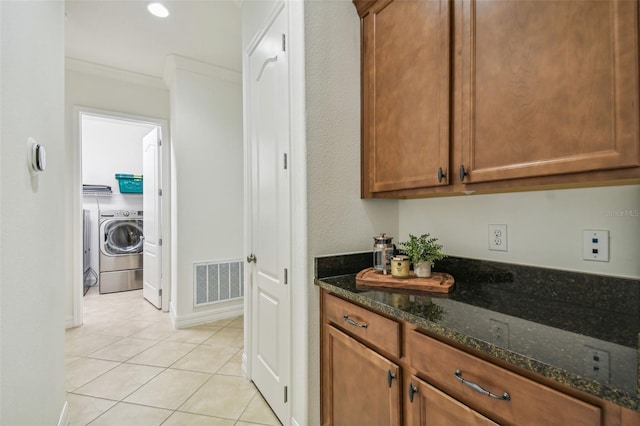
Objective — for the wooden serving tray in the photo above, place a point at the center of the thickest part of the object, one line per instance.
(438, 282)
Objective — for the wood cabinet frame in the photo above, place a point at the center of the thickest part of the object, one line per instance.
(616, 163)
(405, 370)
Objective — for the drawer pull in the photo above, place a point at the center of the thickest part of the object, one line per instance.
(354, 323)
(412, 391)
(505, 396)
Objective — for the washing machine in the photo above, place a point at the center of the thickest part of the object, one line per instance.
(121, 241)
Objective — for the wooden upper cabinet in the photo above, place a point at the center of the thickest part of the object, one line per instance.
(405, 94)
(547, 87)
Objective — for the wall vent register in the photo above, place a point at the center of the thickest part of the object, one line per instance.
(217, 281)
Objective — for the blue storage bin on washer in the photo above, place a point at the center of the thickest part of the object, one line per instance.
(129, 184)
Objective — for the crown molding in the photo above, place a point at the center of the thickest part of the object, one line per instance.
(177, 62)
(78, 65)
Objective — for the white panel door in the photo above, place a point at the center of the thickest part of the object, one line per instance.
(151, 206)
(270, 217)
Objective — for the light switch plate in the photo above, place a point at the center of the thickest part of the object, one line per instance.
(595, 245)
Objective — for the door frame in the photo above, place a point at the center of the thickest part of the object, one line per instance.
(76, 204)
(301, 279)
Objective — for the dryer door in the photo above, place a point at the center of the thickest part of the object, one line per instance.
(121, 237)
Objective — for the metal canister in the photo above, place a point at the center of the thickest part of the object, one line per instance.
(400, 267)
(382, 253)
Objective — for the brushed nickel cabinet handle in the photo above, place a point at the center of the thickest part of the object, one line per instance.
(251, 258)
(354, 323)
(505, 396)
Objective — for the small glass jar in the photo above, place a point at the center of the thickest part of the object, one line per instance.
(400, 267)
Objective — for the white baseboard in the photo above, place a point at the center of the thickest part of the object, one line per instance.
(214, 313)
(294, 422)
(68, 322)
(64, 419)
(245, 363)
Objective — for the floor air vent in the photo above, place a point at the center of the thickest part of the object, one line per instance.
(217, 281)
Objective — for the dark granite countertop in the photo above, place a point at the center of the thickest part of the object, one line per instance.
(547, 321)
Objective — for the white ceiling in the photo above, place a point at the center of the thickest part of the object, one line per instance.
(123, 34)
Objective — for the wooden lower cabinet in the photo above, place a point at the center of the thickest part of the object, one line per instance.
(360, 387)
(503, 395)
(425, 381)
(427, 406)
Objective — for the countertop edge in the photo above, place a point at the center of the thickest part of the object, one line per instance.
(558, 375)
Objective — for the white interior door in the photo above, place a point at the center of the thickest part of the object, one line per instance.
(270, 217)
(152, 247)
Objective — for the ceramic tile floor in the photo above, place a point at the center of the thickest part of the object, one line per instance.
(127, 366)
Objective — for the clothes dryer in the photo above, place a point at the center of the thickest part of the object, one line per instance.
(121, 241)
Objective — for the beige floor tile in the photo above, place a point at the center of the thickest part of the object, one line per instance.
(125, 328)
(91, 324)
(237, 323)
(258, 411)
(83, 409)
(183, 419)
(169, 389)
(163, 354)
(84, 344)
(241, 423)
(205, 358)
(220, 323)
(195, 335)
(221, 396)
(119, 382)
(233, 337)
(68, 359)
(212, 326)
(158, 331)
(132, 415)
(233, 367)
(123, 350)
(142, 391)
(84, 370)
(153, 314)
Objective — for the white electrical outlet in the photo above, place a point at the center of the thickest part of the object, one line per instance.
(595, 245)
(498, 237)
(499, 333)
(596, 364)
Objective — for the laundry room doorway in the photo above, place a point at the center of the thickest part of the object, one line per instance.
(123, 202)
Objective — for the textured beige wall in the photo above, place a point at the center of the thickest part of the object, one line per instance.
(33, 267)
(338, 220)
(544, 228)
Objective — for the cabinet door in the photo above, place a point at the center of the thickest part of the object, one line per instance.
(405, 95)
(429, 406)
(359, 386)
(548, 87)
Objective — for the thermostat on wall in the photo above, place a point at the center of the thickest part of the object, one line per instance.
(37, 156)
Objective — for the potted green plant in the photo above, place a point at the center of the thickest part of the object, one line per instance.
(423, 252)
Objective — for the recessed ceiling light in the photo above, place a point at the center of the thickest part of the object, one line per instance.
(158, 9)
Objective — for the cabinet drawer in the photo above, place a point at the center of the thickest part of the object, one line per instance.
(529, 403)
(371, 328)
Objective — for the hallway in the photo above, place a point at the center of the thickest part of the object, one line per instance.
(127, 366)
